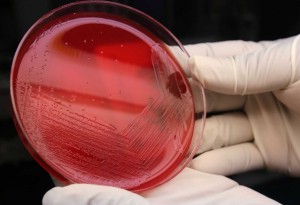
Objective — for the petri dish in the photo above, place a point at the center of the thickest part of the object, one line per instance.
(99, 96)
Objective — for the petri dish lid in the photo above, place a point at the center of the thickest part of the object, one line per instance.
(99, 96)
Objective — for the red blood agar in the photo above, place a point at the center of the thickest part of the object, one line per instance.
(100, 99)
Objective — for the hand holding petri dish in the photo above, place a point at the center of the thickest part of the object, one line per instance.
(99, 96)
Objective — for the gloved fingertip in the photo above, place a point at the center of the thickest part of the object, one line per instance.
(192, 65)
(51, 196)
(202, 69)
(215, 74)
(196, 69)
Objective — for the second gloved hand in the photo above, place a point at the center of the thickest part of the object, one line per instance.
(190, 187)
(253, 95)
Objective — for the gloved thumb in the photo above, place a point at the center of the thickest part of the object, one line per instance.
(87, 194)
(267, 69)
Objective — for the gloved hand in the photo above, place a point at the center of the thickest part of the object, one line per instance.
(253, 91)
(190, 187)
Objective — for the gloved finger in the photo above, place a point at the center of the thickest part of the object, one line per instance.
(229, 48)
(215, 102)
(219, 49)
(223, 130)
(229, 160)
(87, 194)
(269, 69)
(224, 48)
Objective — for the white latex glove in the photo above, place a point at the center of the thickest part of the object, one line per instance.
(257, 87)
(190, 187)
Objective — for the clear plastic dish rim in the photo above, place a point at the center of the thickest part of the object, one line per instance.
(18, 122)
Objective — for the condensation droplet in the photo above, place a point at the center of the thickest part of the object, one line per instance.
(121, 45)
(84, 41)
(66, 43)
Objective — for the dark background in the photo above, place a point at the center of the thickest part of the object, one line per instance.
(22, 180)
